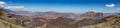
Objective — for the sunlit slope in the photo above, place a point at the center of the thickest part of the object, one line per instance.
(110, 22)
(7, 22)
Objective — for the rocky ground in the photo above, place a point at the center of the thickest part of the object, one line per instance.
(17, 21)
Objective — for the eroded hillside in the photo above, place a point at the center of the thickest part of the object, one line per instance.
(19, 21)
(110, 22)
(7, 22)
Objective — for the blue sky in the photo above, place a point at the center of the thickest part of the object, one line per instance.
(74, 6)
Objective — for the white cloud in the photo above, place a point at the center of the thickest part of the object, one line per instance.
(15, 7)
(2, 4)
(110, 5)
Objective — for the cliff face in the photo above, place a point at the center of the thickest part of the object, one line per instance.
(110, 22)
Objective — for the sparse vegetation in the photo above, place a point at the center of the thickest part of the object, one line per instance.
(18, 21)
(110, 22)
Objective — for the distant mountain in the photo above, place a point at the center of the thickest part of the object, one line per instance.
(57, 14)
(93, 14)
(25, 13)
(54, 15)
(62, 22)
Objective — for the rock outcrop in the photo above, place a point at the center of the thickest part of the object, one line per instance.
(110, 22)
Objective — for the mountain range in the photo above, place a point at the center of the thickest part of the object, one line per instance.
(25, 19)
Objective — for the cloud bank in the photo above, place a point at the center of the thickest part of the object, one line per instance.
(110, 5)
(2, 4)
(15, 7)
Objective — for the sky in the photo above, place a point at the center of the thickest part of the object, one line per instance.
(73, 6)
